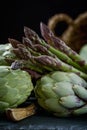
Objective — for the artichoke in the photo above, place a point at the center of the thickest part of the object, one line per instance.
(62, 93)
(15, 87)
(6, 53)
(83, 52)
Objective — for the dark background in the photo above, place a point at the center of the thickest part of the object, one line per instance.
(16, 14)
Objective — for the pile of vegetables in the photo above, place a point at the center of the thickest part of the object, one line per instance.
(57, 72)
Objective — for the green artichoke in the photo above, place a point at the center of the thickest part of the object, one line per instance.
(83, 52)
(6, 53)
(62, 93)
(15, 87)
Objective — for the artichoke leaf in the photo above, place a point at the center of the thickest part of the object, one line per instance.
(82, 110)
(61, 87)
(83, 52)
(80, 91)
(71, 101)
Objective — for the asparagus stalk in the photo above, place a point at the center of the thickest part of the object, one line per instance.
(20, 64)
(47, 59)
(35, 39)
(48, 62)
(14, 42)
(59, 44)
(37, 48)
(44, 62)
(57, 64)
(26, 60)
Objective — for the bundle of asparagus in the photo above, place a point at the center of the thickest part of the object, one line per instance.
(39, 56)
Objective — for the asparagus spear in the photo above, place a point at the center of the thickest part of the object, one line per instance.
(48, 63)
(26, 60)
(57, 64)
(59, 44)
(35, 39)
(43, 62)
(36, 48)
(14, 42)
(46, 60)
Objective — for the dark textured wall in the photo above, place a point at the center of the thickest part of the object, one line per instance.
(14, 15)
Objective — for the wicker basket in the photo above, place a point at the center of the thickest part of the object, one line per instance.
(76, 33)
